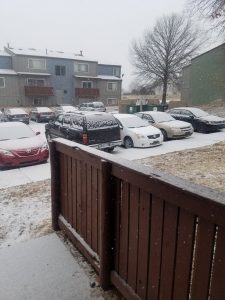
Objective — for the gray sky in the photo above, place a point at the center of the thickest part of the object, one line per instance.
(103, 29)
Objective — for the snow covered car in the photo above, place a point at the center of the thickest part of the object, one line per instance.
(21, 146)
(170, 127)
(135, 132)
(99, 130)
(93, 106)
(40, 114)
(200, 120)
(65, 108)
(16, 114)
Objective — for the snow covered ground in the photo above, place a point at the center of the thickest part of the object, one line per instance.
(39, 172)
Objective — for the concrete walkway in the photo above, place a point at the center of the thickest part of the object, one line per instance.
(43, 269)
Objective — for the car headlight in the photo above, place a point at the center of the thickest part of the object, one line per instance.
(176, 130)
(44, 146)
(140, 136)
(6, 153)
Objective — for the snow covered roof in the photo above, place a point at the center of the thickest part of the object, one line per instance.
(33, 73)
(7, 72)
(2, 53)
(104, 77)
(49, 53)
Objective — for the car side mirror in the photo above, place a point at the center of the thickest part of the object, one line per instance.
(38, 133)
(121, 127)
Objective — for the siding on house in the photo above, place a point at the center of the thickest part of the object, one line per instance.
(58, 88)
(204, 80)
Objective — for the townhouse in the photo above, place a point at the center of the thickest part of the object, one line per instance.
(31, 77)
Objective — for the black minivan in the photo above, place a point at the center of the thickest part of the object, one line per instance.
(96, 129)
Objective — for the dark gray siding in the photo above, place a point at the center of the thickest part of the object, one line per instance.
(9, 95)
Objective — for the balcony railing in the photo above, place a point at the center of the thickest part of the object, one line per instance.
(86, 92)
(38, 91)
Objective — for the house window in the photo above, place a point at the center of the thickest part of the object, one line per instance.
(81, 67)
(35, 82)
(112, 101)
(116, 72)
(60, 70)
(112, 86)
(37, 101)
(2, 82)
(87, 84)
(37, 63)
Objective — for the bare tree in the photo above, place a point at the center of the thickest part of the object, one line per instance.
(213, 10)
(160, 56)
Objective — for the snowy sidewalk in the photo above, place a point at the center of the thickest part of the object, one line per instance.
(43, 269)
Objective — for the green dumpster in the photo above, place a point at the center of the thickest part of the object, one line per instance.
(132, 109)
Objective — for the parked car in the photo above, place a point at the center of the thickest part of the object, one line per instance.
(96, 129)
(200, 120)
(170, 128)
(135, 132)
(92, 106)
(21, 146)
(16, 114)
(40, 114)
(65, 108)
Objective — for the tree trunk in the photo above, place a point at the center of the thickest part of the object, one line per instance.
(164, 92)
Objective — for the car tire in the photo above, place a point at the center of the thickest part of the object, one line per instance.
(164, 133)
(202, 128)
(128, 142)
(110, 150)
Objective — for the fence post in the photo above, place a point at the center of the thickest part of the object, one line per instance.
(55, 184)
(106, 226)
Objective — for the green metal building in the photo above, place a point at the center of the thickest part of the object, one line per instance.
(203, 80)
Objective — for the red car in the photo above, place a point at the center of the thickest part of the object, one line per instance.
(21, 146)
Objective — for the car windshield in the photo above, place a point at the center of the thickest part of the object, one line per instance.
(16, 132)
(133, 122)
(98, 105)
(199, 113)
(162, 117)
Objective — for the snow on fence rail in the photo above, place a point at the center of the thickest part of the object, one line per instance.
(151, 236)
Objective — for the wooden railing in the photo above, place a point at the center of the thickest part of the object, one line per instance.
(31, 91)
(150, 235)
(86, 92)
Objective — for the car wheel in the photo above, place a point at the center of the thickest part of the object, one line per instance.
(164, 133)
(48, 137)
(110, 150)
(202, 128)
(128, 143)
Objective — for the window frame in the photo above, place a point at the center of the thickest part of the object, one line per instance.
(2, 87)
(115, 70)
(78, 69)
(33, 59)
(86, 81)
(112, 83)
(61, 67)
(35, 79)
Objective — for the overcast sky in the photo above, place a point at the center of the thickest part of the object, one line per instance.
(103, 29)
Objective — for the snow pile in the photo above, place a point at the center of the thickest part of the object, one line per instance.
(25, 212)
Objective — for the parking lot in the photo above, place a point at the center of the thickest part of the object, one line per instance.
(18, 176)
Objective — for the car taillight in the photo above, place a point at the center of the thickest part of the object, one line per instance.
(85, 138)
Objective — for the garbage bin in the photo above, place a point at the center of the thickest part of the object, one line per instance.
(157, 107)
(132, 109)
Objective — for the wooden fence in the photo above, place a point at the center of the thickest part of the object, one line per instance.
(151, 236)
